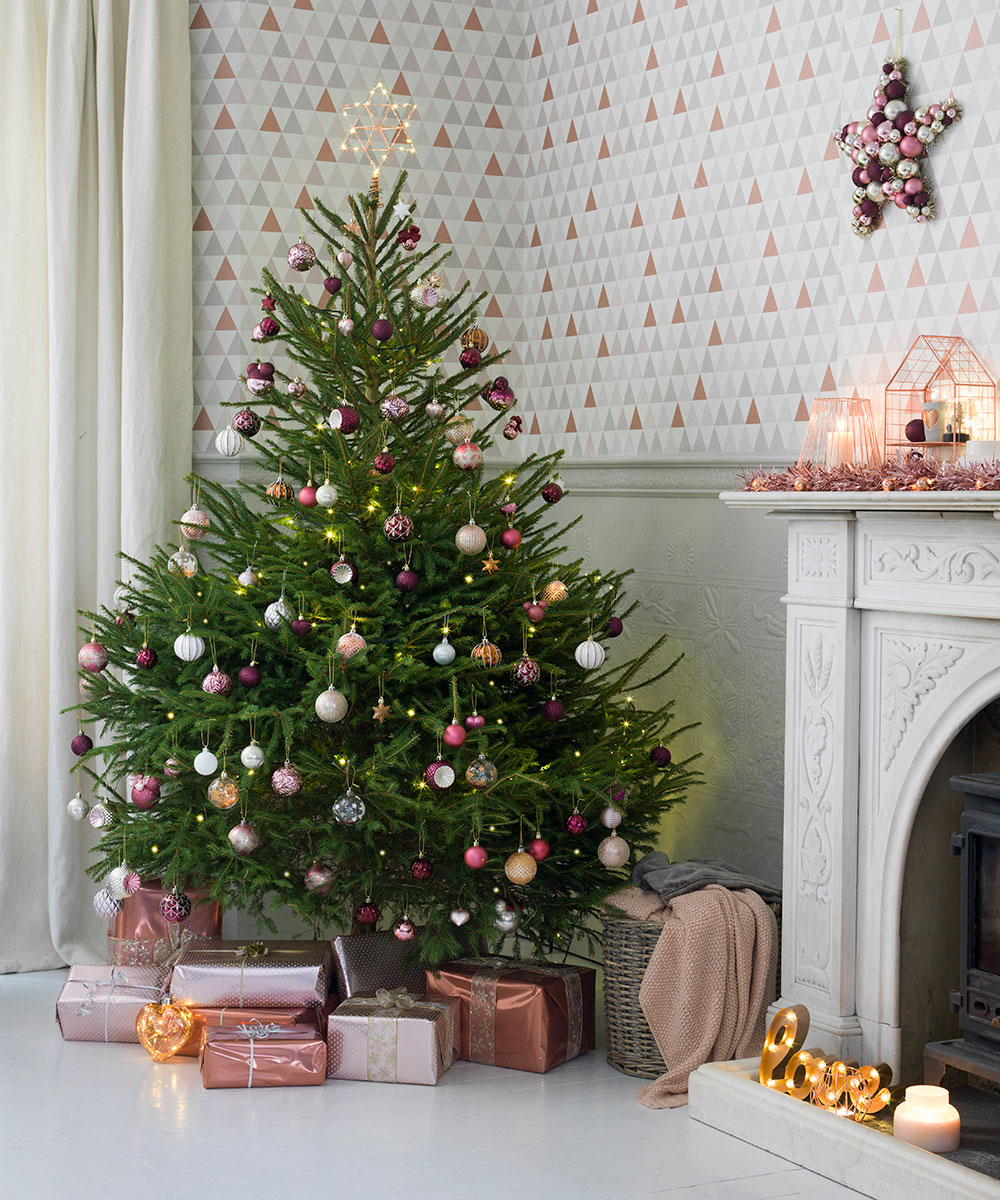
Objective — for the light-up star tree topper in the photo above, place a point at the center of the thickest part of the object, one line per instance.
(378, 125)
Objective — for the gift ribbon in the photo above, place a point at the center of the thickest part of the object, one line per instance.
(483, 1003)
(253, 1030)
(117, 977)
(383, 1028)
(146, 952)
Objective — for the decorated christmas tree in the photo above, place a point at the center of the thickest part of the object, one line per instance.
(372, 691)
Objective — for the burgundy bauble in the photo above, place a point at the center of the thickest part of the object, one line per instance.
(511, 430)
(915, 430)
(539, 849)
(246, 422)
(382, 329)
(614, 627)
(576, 822)
(367, 913)
(307, 496)
(345, 419)
(660, 756)
(265, 370)
(398, 527)
(511, 538)
(332, 284)
(384, 462)
(421, 869)
(175, 907)
(268, 326)
(552, 492)
(535, 612)
(895, 89)
(475, 856)
(249, 676)
(300, 627)
(81, 744)
(407, 580)
(301, 256)
(475, 721)
(146, 658)
(143, 799)
(344, 571)
(527, 671)
(552, 710)
(470, 358)
(454, 736)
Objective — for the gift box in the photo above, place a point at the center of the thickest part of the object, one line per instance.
(526, 1015)
(393, 1037)
(101, 1003)
(365, 962)
(262, 1054)
(218, 973)
(230, 1018)
(139, 927)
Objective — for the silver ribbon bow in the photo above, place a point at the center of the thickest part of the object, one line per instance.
(256, 1029)
(117, 977)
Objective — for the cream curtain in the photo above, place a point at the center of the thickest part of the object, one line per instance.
(95, 398)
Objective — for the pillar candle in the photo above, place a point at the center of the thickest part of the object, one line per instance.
(839, 447)
(926, 1119)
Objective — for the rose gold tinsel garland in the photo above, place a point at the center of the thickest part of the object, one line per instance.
(913, 474)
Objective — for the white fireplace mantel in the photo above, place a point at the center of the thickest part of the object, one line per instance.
(893, 644)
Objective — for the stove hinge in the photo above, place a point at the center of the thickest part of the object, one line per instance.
(955, 999)
(957, 843)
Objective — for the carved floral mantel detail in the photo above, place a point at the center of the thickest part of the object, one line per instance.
(911, 669)
(923, 562)
(819, 557)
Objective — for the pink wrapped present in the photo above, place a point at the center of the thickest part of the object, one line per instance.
(101, 1003)
(262, 1054)
(216, 973)
(393, 1037)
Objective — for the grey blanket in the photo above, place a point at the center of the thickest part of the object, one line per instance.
(656, 873)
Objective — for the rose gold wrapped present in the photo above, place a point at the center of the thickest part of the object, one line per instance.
(367, 961)
(526, 1015)
(101, 1003)
(139, 935)
(229, 1018)
(393, 1037)
(217, 973)
(263, 1054)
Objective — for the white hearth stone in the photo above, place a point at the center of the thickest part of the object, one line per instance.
(728, 1097)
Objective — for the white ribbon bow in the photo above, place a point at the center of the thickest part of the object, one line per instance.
(256, 1029)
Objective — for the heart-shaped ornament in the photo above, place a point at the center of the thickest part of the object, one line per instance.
(459, 916)
(931, 417)
(163, 1029)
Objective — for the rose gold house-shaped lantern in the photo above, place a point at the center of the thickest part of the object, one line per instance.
(940, 399)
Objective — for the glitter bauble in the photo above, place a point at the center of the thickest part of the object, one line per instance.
(458, 430)
(520, 867)
(613, 852)
(351, 643)
(506, 922)
(249, 676)
(248, 578)
(552, 492)
(487, 654)
(470, 359)
(100, 816)
(475, 856)
(301, 256)
(224, 791)
(467, 456)
(217, 683)
(279, 492)
(326, 494)
(553, 592)
(453, 736)
(576, 822)
(421, 869)
(146, 658)
(589, 654)
(527, 671)
(81, 744)
(175, 907)
(205, 762)
(183, 562)
(407, 580)
(660, 756)
(383, 462)
(459, 916)
(440, 775)
(539, 849)
(319, 879)
(195, 523)
(244, 838)
(394, 408)
(614, 627)
(145, 791)
(367, 913)
(331, 706)
(278, 613)
(92, 657)
(286, 780)
(343, 571)
(398, 527)
(481, 773)
(344, 419)
(611, 817)
(188, 646)
(228, 442)
(404, 930)
(471, 539)
(535, 612)
(349, 808)
(246, 422)
(252, 756)
(382, 329)
(105, 905)
(78, 808)
(443, 653)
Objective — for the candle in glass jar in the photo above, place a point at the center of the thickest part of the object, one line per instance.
(926, 1119)
(839, 446)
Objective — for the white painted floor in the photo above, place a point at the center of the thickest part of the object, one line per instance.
(85, 1121)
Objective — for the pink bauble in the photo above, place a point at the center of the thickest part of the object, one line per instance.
(899, 200)
(475, 721)
(913, 185)
(508, 508)
(576, 822)
(454, 736)
(172, 768)
(467, 456)
(93, 657)
(394, 408)
(511, 538)
(286, 780)
(911, 147)
(475, 856)
(244, 838)
(539, 849)
(301, 256)
(869, 134)
(143, 799)
(319, 879)
(217, 683)
(307, 496)
(404, 930)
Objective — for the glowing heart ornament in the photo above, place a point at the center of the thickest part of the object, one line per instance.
(163, 1029)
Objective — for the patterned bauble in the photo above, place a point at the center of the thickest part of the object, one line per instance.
(487, 654)
(382, 329)
(188, 646)
(467, 456)
(326, 494)
(175, 907)
(434, 410)
(266, 327)
(440, 775)
(280, 491)
(259, 385)
(611, 817)
(576, 822)
(114, 882)
(346, 326)
(404, 930)
(458, 430)
(205, 762)
(100, 816)
(248, 578)
(224, 791)
(345, 258)
(351, 643)
(613, 852)
(407, 580)
(481, 773)
(349, 808)
(183, 562)
(552, 493)
(421, 869)
(471, 539)
(286, 780)
(394, 408)
(398, 527)
(344, 419)
(367, 913)
(246, 422)
(228, 442)
(78, 807)
(553, 592)
(81, 744)
(249, 676)
(146, 657)
(296, 387)
(539, 848)
(172, 768)
(520, 867)
(331, 706)
(614, 627)
(527, 671)
(424, 296)
(343, 571)
(475, 856)
(217, 683)
(244, 838)
(92, 657)
(278, 613)
(470, 359)
(123, 599)
(301, 256)
(195, 523)
(319, 879)
(131, 882)
(384, 462)
(444, 652)
(454, 735)
(475, 337)
(252, 756)
(589, 654)
(506, 921)
(660, 756)
(105, 905)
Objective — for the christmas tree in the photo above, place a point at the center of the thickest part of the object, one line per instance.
(379, 696)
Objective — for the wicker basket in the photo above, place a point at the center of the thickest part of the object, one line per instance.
(628, 947)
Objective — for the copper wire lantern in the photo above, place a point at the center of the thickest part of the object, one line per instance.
(841, 432)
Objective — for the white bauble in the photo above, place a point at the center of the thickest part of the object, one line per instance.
(105, 905)
(195, 523)
(611, 817)
(926, 135)
(331, 706)
(345, 258)
(589, 654)
(205, 762)
(346, 326)
(326, 494)
(613, 852)
(252, 756)
(228, 442)
(444, 652)
(249, 577)
(114, 882)
(893, 109)
(874, 191)
(889, 154)
(277, 613)
(907, 168)
(122, 598)
(471, 539)
(78, 808)
(188, 646)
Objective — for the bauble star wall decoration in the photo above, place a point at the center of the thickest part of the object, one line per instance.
(889, 150)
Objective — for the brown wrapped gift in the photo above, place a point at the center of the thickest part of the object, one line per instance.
(393, 1037)
(101, 1003)
(527, 1015)
(262, 1054)
(216, 973)
(365, 962)
(229, 1018)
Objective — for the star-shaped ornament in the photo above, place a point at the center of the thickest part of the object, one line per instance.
(353, 227)
(402, 211)
(381, 710)
(490, 564)
(889, 150)
(378, 126)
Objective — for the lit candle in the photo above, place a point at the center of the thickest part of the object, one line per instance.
(926, 1119)
(839, 446)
